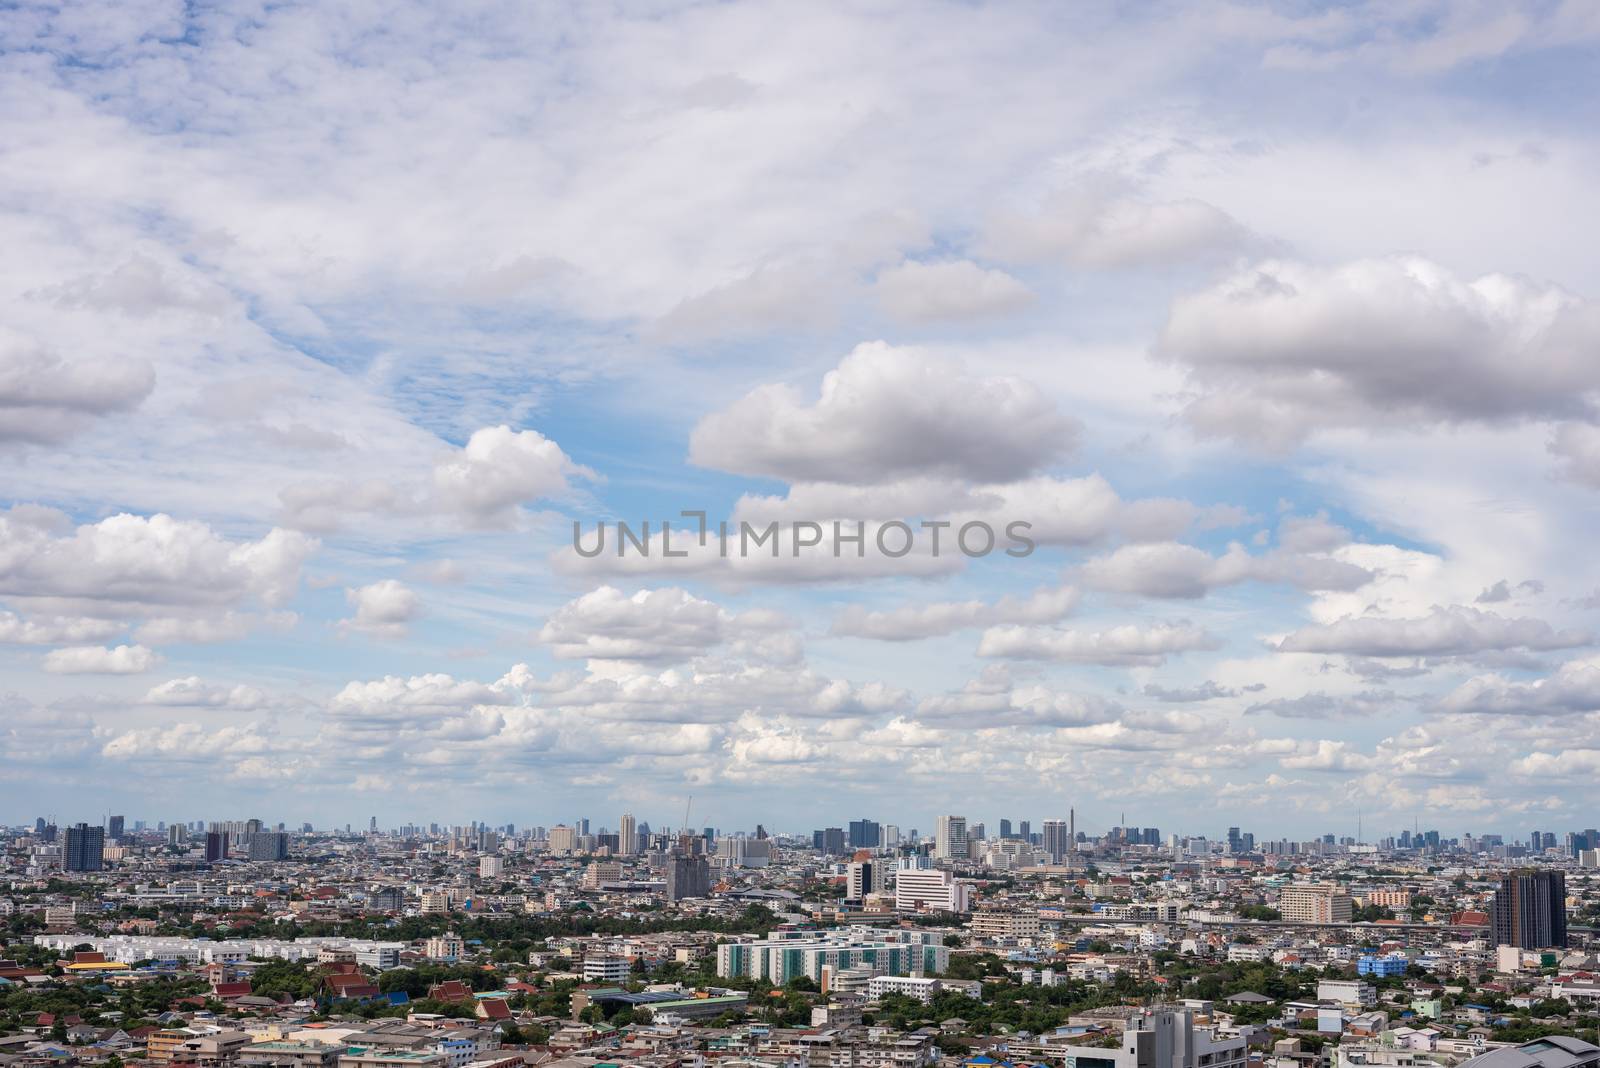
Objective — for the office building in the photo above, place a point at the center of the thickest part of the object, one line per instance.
(114, 828)
(1055, 840)
(930, 890)
(862, 880)
(85, 848)
(829, 840)
(865, 834)
(950, 838)
(1530, 909)
(628, 835)
(563, 839)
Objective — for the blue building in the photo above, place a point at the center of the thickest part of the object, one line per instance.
(1386, 965)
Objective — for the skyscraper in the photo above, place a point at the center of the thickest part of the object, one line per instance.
(687, 876)
(114, 826)
(865, 834)
(85, 848)
(216, 846)
(862, 880)
(1056, 840)
(628, 835)
(268, 845)
(1530, 909)
(950, 838)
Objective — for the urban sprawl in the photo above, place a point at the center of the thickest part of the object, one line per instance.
(242, 943)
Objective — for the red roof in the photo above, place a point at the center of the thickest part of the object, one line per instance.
(450, 990)
(493, 1009)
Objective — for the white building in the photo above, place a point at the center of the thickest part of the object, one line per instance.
(950, 838)
(930, 890)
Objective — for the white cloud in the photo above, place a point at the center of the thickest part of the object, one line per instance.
(1091, 226)
(1452, 630)
(1283, 348)
(886, 413)
(384, 609)
(1574, 687)
(99, 660)
(125, 564)
(193, 692)
(608, 624)
(55, 630)
(44, 398)
(1128, 644)
(953, 289)
(481, 485)
(1170, 569)
(914, 622)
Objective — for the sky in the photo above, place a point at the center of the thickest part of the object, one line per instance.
(322, 326)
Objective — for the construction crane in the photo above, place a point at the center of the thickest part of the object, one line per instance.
(686, 805)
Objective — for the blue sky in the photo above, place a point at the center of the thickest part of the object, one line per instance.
(321, 325)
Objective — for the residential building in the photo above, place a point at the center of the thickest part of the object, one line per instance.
(1530, 909)
(1314, 903)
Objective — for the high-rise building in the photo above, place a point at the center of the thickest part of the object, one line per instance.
(829, 840)
(628, 835)
(919, 889)
(1056, 840)
(865, 834)
(216, 846)
(85, 848)
(1024, 831)
(1313, 903)
(1530, 909)
(114, 828)
(268, 846)
(862, 880)
(687, 876)
(562, 839)
(1005, 829)
(950, 838)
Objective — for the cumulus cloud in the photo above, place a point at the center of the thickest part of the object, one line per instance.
(1205, 691)
(885, 413)
(1285, 348)
(914, 622)
(1452, 630)
(125, 564)
(953, 289)
(1322, 706)
(44, 398)
(1174, 570)
(1573, 687)
(481, 485)
(661, 624)
(1129, 645)
(55, 630)
(384, 609)
(100, 660)
(193, 692)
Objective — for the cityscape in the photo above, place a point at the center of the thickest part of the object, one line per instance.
(242, 942)
(799, 534)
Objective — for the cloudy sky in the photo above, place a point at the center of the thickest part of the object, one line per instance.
(320, 326)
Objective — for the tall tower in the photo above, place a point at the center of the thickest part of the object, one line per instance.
(950, 838)
(627, 835)
(1072, 830)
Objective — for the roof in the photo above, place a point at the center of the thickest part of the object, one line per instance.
(1556, 1051)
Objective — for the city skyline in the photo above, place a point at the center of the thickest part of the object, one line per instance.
(1186, 411)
